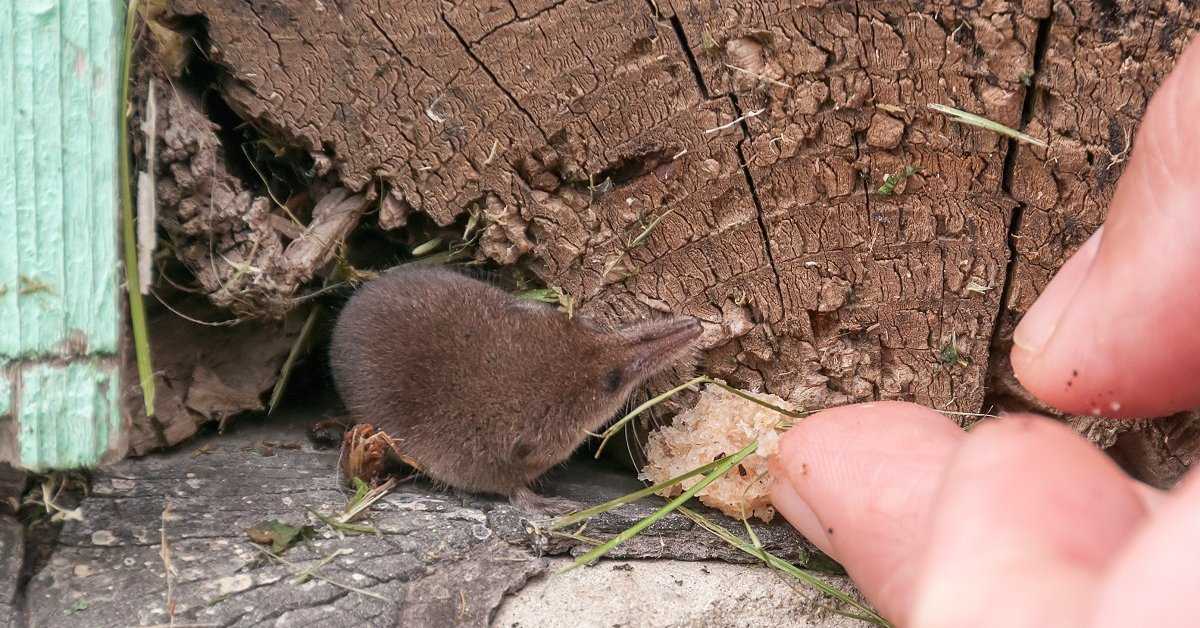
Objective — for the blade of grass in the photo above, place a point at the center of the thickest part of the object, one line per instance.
(782, 565)
(650, 227)
(583, 515)
(616, 427)
(744, 395)
(958, 115)
(720, 470)
(342, 527)
(137, 308)
(364, 500)
(285, 373)
(544, 295)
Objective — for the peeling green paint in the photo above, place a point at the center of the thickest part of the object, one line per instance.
(5, 396)
(59, 70)
(75, 407)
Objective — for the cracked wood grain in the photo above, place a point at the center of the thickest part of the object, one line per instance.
(570, 125)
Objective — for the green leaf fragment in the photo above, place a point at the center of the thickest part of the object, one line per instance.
(278, 534)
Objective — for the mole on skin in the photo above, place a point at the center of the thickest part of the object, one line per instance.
(485, 390)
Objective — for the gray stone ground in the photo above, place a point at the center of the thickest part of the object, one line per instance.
(439, 560)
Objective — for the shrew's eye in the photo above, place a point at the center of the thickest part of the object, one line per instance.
(612, 380)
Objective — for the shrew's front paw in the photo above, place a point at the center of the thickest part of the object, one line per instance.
(533, 503)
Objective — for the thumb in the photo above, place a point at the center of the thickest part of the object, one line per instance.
(1117, 331)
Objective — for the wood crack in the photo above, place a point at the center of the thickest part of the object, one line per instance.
(1041, 43)
(680, 37)
(758, 206)
(496, 81)
(518, 19)
(395, 47)
(743, 164)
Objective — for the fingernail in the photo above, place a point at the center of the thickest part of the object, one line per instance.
(798, 513)
(1038, 325)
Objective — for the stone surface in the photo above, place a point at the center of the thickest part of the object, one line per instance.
(12, 556)
(440, 559)
(661, 593)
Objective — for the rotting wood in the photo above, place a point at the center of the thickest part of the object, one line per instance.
(226, 233)
(568, 126)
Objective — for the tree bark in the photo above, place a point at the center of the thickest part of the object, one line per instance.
(776, 172)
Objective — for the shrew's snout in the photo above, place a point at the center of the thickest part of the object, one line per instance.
(657, 344)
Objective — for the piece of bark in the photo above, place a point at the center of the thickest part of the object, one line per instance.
(225, 232)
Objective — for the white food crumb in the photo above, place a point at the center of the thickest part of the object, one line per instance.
(720, 424)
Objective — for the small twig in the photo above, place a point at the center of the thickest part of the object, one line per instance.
(650, 227)
(285, 372)
(759, 76)
(960, 116)
(224, 323)
(492, 154)
(267, 184)
(298, 570)
(1121, 156)
(736, 121)
(146, 202)
(305, 575)
(367, 501)
(169, 571)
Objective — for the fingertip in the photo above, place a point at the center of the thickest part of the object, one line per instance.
(1113, 334)
(799, 514)
(1029, 509)
(1152, 580)
(867, 474)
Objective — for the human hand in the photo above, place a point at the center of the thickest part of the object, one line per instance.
(1021, 522)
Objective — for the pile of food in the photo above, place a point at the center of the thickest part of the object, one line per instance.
(720, 424)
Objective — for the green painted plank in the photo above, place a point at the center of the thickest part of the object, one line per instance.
(60, 271)
(76, 408)
(5, 396)
(9, 254)
(105, 30)
(59, 177)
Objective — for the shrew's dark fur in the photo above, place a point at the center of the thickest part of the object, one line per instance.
(487, 391)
